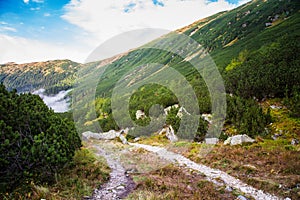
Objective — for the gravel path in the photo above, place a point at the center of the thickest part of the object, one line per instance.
(212, 174)
(119, 184)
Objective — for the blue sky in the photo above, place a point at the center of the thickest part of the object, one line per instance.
(35, 19)
(73, 28)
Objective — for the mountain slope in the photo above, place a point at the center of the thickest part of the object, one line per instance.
(233, 37)
(253, 28)
(53, 76)
(249, 26)
(224, 35)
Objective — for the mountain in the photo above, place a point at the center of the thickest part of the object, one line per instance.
(249, 26)
(53, 76)
(250, 45)
(224, 35)
(242, 42)
(255, 48)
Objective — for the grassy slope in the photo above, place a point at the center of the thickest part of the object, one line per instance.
(222, 34)
(225, 35)
(230, 32)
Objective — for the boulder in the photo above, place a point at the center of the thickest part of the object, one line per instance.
(238, 139)
(181, 112)
(294, 142)
(110, 135)
(207, 117)
(274, 107)
(140, 114)
(123, 139)
(228, 189)
(88, 134)
(122, 136)
(211, 140)
(241, 197)
(170, 134)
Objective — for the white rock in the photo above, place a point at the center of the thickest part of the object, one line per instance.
(181, 112)
(120, 187)
(229, 189)
(238, 139)
(170, 134)
(211, 140)
(207, 117)
(275, 107)
(123, 139)
(140, 114)
(88, 134)
(110, 135)
(240, 197)
(228, 141)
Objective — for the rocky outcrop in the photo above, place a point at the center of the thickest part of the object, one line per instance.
(140, 114)
(211, 140)
(110, 135)
(182, 111)
(238, 139)
(207, 117)
(170, 133)
(88, 135)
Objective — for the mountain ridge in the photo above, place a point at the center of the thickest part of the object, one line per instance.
(222, 34)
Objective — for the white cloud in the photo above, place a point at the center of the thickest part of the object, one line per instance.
(100, 20)
(22, 50)
(241, 2)
(104, 19)
(59, 102)
(7, 28)
(34, 9)
(38, 1)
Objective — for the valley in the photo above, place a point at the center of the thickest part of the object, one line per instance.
(162, 117)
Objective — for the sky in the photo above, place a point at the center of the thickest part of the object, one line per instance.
(41, 30)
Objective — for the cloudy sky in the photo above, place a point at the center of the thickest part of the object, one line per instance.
(40, 30)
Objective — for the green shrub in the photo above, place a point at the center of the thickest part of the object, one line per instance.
(35, 142)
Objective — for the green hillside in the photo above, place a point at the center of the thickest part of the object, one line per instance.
(53, 76)
(249, 26)
(256, 49)
(250, 45)
(223, 35)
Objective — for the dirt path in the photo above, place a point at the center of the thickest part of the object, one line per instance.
(119, 185)
(213, 175)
